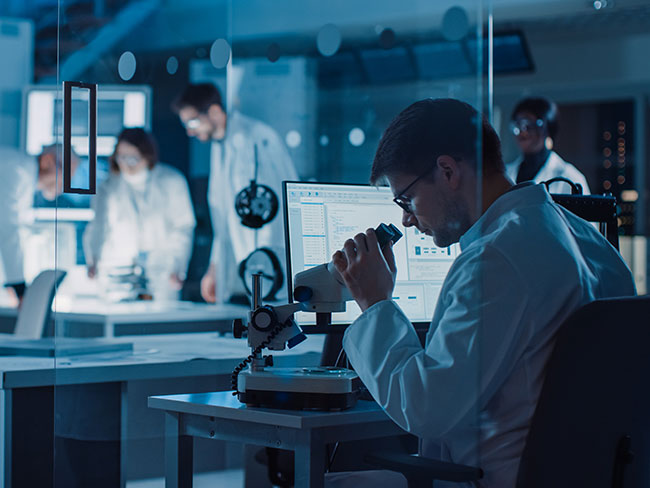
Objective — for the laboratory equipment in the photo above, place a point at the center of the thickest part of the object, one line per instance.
(320, 290)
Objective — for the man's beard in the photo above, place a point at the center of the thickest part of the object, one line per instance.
(456, 222)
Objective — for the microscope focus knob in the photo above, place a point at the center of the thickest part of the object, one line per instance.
(238, 328)
(264, 319)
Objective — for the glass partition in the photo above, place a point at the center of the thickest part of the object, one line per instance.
(143, 150)
(159, 259)
(141, 208)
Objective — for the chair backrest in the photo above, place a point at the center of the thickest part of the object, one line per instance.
(37, 304)
(596, 391)
(600, 209)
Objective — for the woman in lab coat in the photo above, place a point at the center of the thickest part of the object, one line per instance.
(143, 215)
(534, 123)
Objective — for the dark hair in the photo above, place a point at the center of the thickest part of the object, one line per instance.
(542, 108)
(142, 140)
(431, 128)
(199, 96)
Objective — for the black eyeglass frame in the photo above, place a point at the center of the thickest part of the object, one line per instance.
(403, 201)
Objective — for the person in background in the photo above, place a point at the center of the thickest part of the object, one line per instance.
(234, 139)
(143, 215)
(534, 123)
(50, 187)
(22, 177)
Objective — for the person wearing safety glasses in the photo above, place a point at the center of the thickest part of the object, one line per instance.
(143, 215)
(242, 150)
(534, 124)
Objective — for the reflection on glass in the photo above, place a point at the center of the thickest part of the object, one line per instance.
(328, 40)
(356, 137)
(455, 24)
(220, 53)
(172, 65)
(293, 138)
(273, 52)
(126, 65)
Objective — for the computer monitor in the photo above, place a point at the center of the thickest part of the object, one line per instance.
(117, 107)
(319, 217)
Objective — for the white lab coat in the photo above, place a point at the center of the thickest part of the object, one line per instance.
(232, 169)
(17, 186)
(553, 167)
(157, 219)
(470, 393)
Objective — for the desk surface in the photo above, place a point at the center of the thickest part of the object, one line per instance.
(224, 405)
(153, 356)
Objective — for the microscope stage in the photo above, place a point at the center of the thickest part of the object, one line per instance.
(315, 388)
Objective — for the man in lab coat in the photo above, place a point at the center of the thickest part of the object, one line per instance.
(22, 176)
(234, 140)
(525, 265)
(534, 124)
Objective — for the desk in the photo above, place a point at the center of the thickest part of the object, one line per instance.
(219, 415)
(94, 318)
(156, 359)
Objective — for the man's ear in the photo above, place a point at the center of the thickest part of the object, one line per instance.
(47, 161)
(216, 114)
(449, 170)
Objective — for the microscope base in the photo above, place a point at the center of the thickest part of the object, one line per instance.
(299, 388)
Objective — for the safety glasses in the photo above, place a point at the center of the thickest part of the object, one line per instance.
(520, 126)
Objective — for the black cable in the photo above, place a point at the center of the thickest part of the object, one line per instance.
(276, 330)
(332, 456)
(576, 188)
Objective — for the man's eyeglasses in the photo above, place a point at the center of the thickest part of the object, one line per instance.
(525, 125)
(402, 200)
(192, 123)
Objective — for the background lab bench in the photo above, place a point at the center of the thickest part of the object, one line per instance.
(159, 365)
(96, 318)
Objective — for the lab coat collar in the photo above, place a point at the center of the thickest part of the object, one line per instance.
(525, 193)
(233, 124)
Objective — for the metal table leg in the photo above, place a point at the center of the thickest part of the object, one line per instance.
(5, 437)
(309, 461)
(178, 454)
(124, 433)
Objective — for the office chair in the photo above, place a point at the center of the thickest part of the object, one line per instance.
(36, 305)
(591, 426)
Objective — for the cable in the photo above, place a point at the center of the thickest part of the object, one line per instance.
(336, 445)
(332, 456)
(338, 358)
(576, 188)
(276, 330)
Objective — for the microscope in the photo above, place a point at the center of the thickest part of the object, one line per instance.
(257, 383)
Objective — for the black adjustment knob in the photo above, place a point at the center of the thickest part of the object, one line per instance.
(268, 361)
(238, 328)
(264, 319)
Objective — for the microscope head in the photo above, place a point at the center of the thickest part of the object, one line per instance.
(321, 289)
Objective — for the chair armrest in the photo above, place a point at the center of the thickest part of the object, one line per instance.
(419, 467)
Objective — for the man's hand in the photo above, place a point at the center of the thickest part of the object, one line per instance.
(368, 271)
(209, 285)
(175, 281)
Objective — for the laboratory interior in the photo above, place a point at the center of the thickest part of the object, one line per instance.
(343, 243)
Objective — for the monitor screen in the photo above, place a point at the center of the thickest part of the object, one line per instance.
(117, 107)
(320, 217)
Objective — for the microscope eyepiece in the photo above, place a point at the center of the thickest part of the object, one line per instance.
(302, 294)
